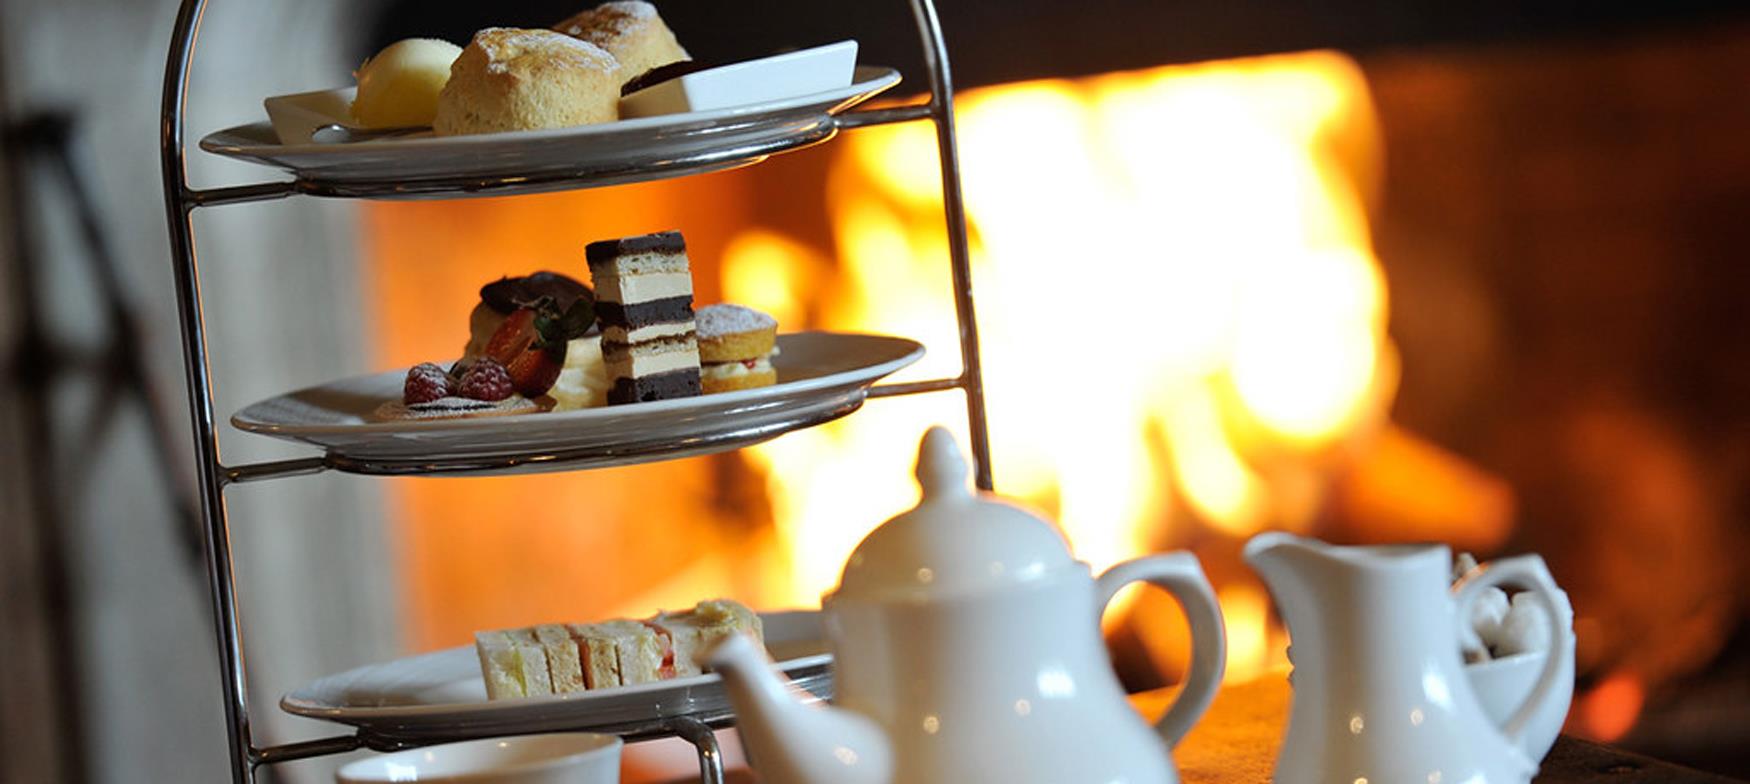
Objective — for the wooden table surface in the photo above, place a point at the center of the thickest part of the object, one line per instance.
(1236, 742)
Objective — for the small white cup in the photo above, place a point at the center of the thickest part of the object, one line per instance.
(560, 758)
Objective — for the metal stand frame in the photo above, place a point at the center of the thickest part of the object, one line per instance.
(180, 201)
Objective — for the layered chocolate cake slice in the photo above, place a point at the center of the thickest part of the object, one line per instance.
(644, 303)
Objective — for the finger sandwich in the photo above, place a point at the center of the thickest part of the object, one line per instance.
(568, 658)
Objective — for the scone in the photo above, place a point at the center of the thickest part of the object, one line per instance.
(508, 79)
(736, 345)
(631, 31)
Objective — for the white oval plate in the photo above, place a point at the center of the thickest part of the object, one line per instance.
(618, 147)
(440, 695)
(821, 376)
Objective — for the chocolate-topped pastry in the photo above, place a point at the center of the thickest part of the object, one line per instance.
(644, 292)
(507, 294)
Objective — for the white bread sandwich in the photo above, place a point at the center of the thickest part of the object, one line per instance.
(514, 663)
(568, 658)
(694, 632)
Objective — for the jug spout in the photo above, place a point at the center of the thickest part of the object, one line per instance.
(789, 742)
(1289, 565)
(1286, 560)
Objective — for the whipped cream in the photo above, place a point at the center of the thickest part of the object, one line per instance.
(736, 368)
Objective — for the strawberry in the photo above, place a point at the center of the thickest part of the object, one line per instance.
(531, 342)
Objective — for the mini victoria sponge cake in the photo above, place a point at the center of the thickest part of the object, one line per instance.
(736, 345)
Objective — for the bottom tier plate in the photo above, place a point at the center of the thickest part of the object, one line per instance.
(439, 696)
(821, 376)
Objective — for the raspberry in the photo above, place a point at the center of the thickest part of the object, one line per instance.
(486, 380)
(425, 383)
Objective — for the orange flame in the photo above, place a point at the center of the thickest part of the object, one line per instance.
(1609, 711)
(1176, 289)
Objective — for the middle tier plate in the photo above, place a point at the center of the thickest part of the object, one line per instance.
(821, 376)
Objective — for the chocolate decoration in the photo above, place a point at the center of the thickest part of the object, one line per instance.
(661, 386)
(661, 242)
(507, 294)
(662, 73)
(644, 314)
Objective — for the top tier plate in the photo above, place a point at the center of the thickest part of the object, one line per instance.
(583, 156)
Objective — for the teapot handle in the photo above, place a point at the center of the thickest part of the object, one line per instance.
(1182, 576)
(1530, 571)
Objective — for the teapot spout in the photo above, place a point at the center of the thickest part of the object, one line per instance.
(789, 742)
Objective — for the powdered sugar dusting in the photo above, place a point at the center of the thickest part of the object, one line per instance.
(503, 45)
(453, 407)
(609, 20)
(727, 319)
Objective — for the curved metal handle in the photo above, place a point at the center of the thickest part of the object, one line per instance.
(704, 740)
(1530, 571)
(1182, 576)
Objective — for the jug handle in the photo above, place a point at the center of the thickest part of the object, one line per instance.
(1530, 571)
(1182, 576)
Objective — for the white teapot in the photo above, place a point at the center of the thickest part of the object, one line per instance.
(966, 645)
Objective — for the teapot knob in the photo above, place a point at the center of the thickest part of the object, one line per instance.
(941, 468)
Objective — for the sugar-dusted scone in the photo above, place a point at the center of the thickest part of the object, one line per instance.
(632, 31)
(510, 79)
(736, 345)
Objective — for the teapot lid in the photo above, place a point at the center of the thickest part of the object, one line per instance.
(954, 542)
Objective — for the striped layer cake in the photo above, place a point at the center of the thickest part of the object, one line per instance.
(644, 303)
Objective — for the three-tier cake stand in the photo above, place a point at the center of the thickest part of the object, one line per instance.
(215, 477)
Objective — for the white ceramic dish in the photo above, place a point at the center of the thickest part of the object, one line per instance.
(436, 695)
(623, 151)
(559, 758)
(821, 376)
(775, 78)
(296, 117)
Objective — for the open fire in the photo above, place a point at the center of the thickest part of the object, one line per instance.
(1184, 331)
(1183, 322)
